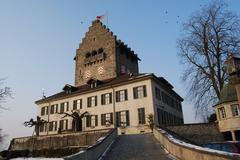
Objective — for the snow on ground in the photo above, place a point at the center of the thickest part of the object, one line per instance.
(39, 158)
(171, 138)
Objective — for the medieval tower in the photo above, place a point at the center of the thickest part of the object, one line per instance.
(101, 56)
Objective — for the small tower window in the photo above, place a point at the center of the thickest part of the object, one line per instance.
(94, 53)
(88, 55)
(100, 50)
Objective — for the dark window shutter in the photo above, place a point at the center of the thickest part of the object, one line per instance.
(139, 115)
(66, 124)
(144, 91)
(144, 121)
(55, 125)
(95, 100)
(110, 97)
(74, 104)
(102, 119)
(117, 96)
(88, 121)
(118, 119)
(47, 111)
(67, 106)
(126, 94)
(56, 108)
(89, 102)
(96, 120)
(127, 118)
(102, 99)
(135, 93)
(80, 103)
(111, 118)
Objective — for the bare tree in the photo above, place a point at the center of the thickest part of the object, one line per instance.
(208, 37)
(4, 93)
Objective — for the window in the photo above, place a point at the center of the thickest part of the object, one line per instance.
(106, 98)
(41, 128)
(63, 124)
(106, 119)
(139, 92)
(158, 93)
(52, 109)
(50, 126)
(122, 118)
(222, 113)
(121, 96)
(141, 115)
(77, 104)
(64, 107)
(235, 110)
(92, 101)
(55, 125)
(42, 111)
(91, 120)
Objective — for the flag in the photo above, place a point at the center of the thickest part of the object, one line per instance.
(100, 17)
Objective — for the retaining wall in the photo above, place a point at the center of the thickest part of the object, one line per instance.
(96, 151)
(185, 151)
(198, 133)
(61, 141)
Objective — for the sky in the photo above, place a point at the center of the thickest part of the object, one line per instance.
(38, 41)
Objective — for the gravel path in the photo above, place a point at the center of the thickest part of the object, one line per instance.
(137, 147)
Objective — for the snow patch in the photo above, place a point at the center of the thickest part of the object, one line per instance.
(39, 158)
(171, 138)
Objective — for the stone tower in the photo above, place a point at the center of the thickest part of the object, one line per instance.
(101, 56)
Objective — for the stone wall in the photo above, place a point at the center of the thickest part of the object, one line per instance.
(74, 140)
(199, 133)
(98, 37)
(96, 151)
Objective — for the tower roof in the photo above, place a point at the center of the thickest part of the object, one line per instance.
(118, 41)
(228, 94)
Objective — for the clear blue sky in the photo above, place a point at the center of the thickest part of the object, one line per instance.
(38, 40)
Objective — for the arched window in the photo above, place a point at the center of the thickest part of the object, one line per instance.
(94, 53)
(88, 55)
(100, 50)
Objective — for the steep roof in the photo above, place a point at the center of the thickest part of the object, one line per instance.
(228, 94)
(113, 82)
(118, 41)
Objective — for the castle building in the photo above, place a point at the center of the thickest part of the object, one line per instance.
(227, 109)
(109, 91)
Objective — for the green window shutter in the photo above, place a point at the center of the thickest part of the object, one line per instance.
(144, 91)
(96, 120)
(126, 94)
(127, 118)
(135, 93)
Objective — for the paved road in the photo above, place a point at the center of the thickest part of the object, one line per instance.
(137, 147)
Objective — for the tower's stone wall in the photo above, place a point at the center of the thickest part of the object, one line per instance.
(103, 64)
